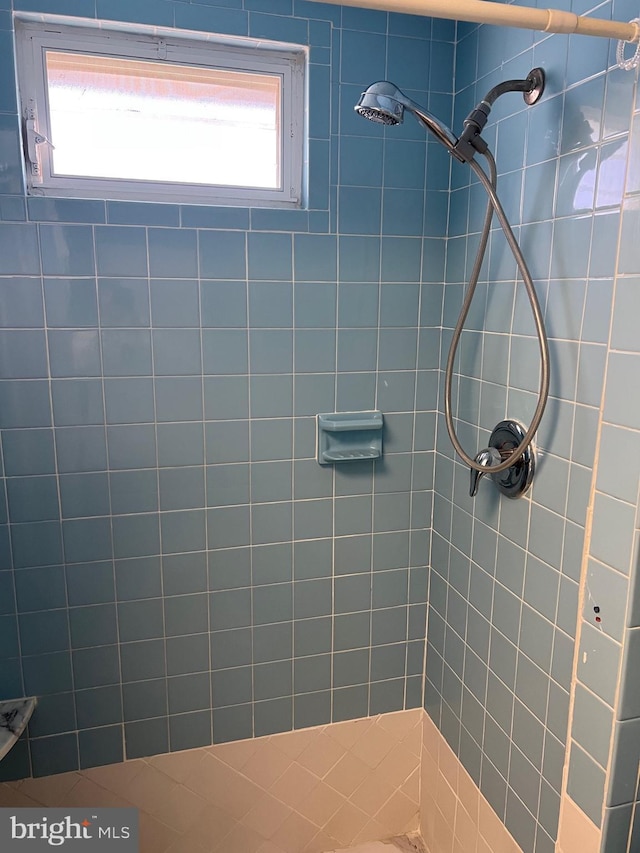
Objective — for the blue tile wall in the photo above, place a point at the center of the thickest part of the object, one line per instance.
(170, 551)
(504, 580)
(614, 565)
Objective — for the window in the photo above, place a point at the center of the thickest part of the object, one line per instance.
(113, 114)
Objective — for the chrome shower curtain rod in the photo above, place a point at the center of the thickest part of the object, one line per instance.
(503, 15)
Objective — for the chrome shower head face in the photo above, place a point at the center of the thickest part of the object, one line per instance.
(377, 115)
(381, 103)
(384, 103)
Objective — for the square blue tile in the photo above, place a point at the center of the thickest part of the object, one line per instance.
(183, 531)
(96, 667)
(46, 631)
(187, 654)
(67, 250)
(146, 737)
(271, 523)
(36, 544)
(142, 660)
(223, 304)
(144, 699)
(83, 495)
(315, 257)
(315, 304)
(229, 568)
(184, 573)
(360, 210)
(121, 251)
(126, 352)
(133, 491)
(271, 351)
(23, 354)
(178, 398)
(270, 304)
(225, 351)
(55, 754)
(100, 746)
(123, 302)
(20, 303)
(81, 449)
(180, 444)
(28, 451)
(19, 249)
(177, 352)
(93, 626)
(87, 539)
(232, 686)
(227, 485)
(24, 404)
(90, 583)
(231, 648)
(48, 673)
(315, 350)
(181, 488)
(135, 535)
(74, 353)
(137, 578)
(129, 401)
(35, 589)
(222, 254)
(189, 731)
(173, 252)
(230, 609)
(226, 397)
(271, 396)
(174, 303)
(53, 715)
(234, 723)
(131, 446)
(77, 402)
(270, 257)
(273, 716)
(32, 499)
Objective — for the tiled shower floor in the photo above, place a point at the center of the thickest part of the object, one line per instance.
(404, 844)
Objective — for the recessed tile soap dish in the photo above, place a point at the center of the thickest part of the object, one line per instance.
(349, 437)
(14, 716)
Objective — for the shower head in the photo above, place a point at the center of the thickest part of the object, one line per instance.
(384, 103)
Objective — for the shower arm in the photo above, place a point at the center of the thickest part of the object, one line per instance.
(471, 142)
(504, 15)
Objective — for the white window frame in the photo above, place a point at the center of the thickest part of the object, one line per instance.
(33, 38)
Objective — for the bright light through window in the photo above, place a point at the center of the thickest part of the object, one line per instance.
(132, 114)
(155, 121)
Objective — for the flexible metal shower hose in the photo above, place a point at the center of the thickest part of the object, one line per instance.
(494, 205)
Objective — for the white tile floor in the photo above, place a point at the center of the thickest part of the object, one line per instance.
(406, 844)
(371, 847)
